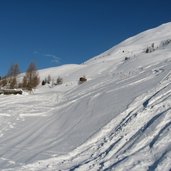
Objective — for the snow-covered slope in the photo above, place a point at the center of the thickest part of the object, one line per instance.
(120, 119)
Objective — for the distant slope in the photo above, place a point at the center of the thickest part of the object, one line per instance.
(118, 120)
(137, 44)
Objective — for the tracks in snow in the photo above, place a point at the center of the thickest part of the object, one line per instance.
(138, 138)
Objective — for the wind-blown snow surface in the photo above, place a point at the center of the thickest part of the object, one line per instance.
(120, 119)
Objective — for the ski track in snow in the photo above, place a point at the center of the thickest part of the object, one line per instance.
(119, 120)
(119, 144)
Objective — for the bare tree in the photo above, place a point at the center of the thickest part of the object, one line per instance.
(12, 75)
(59, 81)
(24, 82)
(31, 78)
(49, 79)
(14, 70)
(13, 83)
(3, 82)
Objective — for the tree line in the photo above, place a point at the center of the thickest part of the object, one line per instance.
(29, 81)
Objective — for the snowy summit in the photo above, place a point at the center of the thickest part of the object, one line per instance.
(117, 118)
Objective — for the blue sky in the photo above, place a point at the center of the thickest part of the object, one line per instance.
(56, 32)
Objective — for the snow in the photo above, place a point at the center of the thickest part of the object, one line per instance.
(120, 119)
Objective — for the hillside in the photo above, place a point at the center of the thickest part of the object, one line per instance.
(120, 119)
